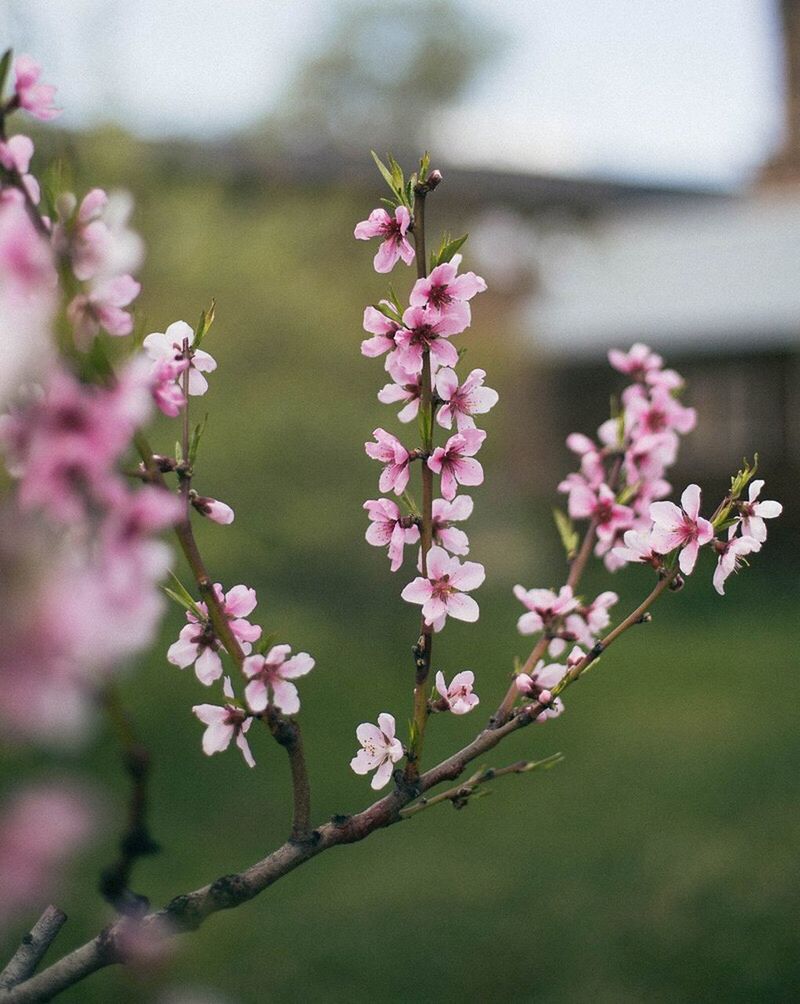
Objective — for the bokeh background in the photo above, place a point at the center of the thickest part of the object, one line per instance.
(627, 171)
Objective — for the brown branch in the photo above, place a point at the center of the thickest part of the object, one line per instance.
(33, 946)
(287, 733)
(187, 912)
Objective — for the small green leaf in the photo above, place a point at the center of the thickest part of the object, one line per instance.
(398, 181)
(204, 324)
(5, 66)
(567, 533)
(385, 172)
(424, 166)
(199, 429)
(449, 249)
(179, 457)
(183, 597)
(425, 425)
(408, 499)
(387, 310)
(265, 643)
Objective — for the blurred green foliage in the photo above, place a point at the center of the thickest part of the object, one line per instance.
(658, 863)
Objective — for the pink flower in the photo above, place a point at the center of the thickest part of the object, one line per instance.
(754, 513)
(406, 387)
(444, 290)
(197, 642)
(637, 362)
(587, 622)
(637, 548)
(658, 412)
(592, 467)
(458, 697)
(444, 515)
(539, 685)
(602, 507)
(730, 555)
(380, 750)
(213, 509)
(684, 528)
(102, 307)
(273, 671)
(35, 98)
(443, 591)
(393, 229)
(471, 398)
(166, 391)
(97, 238)
(427, 329)
(15, 155)
(455, 462)
(383, 331)
(223, 724)
(174, 346)
(395, 458)
(544, 607)
(386, 527)
(41, 828)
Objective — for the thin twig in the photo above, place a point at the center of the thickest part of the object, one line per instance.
(461, 793)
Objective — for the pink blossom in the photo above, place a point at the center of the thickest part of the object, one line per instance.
(386, 527)
(35, 98)
(587, 622)
(41, 828)
(15, 155)
(395, 458)
(658, 412)
(393, 229)
(382, 329)
(458, 697)
(444, 290)
(592, 467)
(638, 548)
(444, 515)
(601, 506)
(380, 750)
(97, 238)
(427, 329)
(455, 462)
(544, 608)
(406, 387)
(174, 346)
(102, 307)
(167, 392)
(637, 362)
(273, 671)
(754, 513)
(684, 528)
(730, 556)
(443, 591)
(223, 724)
(648, 456)
(471, 398)
(197, 642)
(539, 685)
(213, 509)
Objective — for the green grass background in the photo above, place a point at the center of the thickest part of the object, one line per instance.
(659, 862)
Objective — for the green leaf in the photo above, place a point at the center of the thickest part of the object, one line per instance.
(181, 595)
(449, 248)
(387, 311)
(398, 181)
(567, 533)
(425, 425)
(396, 301)
(204, 324)
(265, 643)
(5, 66)
(410, 503)
(199, 429)
(385, 172)
(390, 204)
(424, 166)
(179, 457)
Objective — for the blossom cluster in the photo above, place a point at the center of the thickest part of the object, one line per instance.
(421, 360)
(619, 491)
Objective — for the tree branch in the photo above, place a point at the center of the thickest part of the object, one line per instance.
(34, 944)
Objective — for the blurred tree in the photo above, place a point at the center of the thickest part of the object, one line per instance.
(385, 67)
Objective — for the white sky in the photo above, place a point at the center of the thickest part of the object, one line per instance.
(672, 89)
